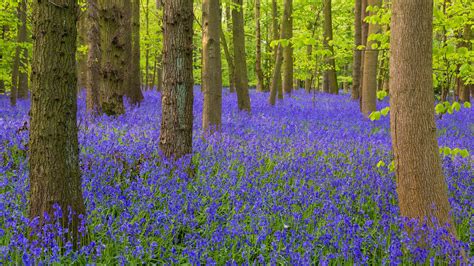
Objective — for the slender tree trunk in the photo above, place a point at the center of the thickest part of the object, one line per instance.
(127, 36)
(23, 67)
(93, 59)
(2, 82)
(276, 36)
(276, 75)
(54, 171)
(240, 64)
(258, 58)
(369, 76)
(330, 79)
(356, 65)
(147, 46)
(211, 66)
(287, 34)
(230, 62)
(177, 96)
(14, 82)
(465, 89)
(364, 33)
(309, 80)
(421, 187)
(134, 91)
(112, 50)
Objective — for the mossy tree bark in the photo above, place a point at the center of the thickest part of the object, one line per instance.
(276, 36)
(240, 64)
(329, 76)
(287, 34)
(421, 187)
(55, 176)
(211, 66)
(177, 95)
(112, 51)
(276, 84)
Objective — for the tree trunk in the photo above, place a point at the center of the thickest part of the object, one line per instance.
(421, 187)
(112, 49)
(147, 46)
(230, 62)
(81, 65)
(134, 94)
(211, 66)
(241, 78)
(23, 67)
(258, 58)
(177, 96)
(276, 36)
(309, 80)
(465, 89)
(54, 171)
(287, 34)
(127, 36)
(93, 59)
(330, 79)
(357, 53)
(2, 82)
(276, 75)
(364, 33)
(369, 76)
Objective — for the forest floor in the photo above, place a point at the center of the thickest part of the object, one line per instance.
(297, 183)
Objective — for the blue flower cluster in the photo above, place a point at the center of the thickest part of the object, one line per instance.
(297, 183)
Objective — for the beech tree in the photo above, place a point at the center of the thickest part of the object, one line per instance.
(240, 64)
(112, 51)
(134, 92)
(54, 171)
(93, 58)
(369, 75)
(211, 65)
(177, 95)
(258, 49)
(329, 79)
(356, 63)
(421, 187)
(287, 34)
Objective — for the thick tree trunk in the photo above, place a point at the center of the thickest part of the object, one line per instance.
(230, 62)
(421, 187)
(330, 79)
(177, 96)
(93, 59)
(356, 61)
(112, 49)
(240, 64)
(287, 34)
(369, 76)
(127, 37)
(276, 75)
(134, 91)
(276, 36)
(258, 57)
(211, 66)
(23, 63)
(54, 171)
(147, 46)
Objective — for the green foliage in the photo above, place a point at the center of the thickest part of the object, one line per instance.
(378, 114)
(447, 107)
(446, 151)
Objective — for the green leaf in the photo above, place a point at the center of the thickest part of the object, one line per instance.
(385, 111)
(464, 153)
(456, 106)
(375, 116)
(467, 105)
(380, 164)
(440, 109)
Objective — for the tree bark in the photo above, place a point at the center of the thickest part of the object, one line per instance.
(230, 62)
(241, 78)
(177, 96)
(369, 76)
(364, 33)
(211, 66)
(93, 59)
(23, 63)
(276, 75)
(258, 57)
(287, 34)
(147, 46)
(356, 65)
(134, 94)
(276, 36)
(81, 65)
(465, 89)
(112, 50)
(330, 79)
(421, 187)
(54, 171)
